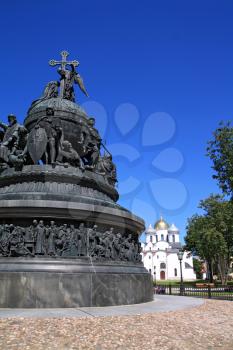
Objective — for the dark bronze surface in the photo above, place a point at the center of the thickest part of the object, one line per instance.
(61, 229)
(65, 240)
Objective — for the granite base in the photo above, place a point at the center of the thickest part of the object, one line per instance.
(67, 284)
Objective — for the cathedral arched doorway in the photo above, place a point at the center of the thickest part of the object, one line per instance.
(162, 275)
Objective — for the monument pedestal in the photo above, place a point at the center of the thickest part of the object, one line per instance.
(67, 283)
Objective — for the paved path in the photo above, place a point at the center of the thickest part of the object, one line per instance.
(161, 303)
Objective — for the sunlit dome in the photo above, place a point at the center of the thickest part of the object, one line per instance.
(161, 224)
(173, 228)
(150, 229)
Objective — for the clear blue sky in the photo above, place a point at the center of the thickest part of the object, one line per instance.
(137, 58)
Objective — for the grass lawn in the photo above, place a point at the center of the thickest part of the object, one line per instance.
(177, 283)
(186, 283)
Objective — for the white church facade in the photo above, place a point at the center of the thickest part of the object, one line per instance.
(159, 253)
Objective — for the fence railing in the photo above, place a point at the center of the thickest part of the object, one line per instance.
(217, 292)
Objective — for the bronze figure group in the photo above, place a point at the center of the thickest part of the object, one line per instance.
(54, 240)
(46, 144)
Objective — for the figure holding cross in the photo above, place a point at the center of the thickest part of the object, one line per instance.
(69, 77)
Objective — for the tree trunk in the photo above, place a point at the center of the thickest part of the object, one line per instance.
(210, 269)
(223, 269)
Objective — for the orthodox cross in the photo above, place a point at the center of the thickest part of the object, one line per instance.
(63, 63)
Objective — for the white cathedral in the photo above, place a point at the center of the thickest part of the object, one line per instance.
(159, 253)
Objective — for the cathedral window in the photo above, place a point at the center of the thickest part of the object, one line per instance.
(173, 238)
(156, 237)
(162, 237)
(175, 272)
(163, 266)
(150, 238)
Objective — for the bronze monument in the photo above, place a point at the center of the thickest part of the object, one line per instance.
(64, 240)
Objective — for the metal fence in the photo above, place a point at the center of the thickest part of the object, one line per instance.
(217, 292)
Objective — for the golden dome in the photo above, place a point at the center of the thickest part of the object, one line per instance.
(161, 224)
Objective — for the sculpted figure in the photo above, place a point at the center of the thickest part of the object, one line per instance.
(29, 239)
(73, 251)
(138, 250)
(15, 239)
(60, 239)
(10, 131)
(91, 142)
(45, 139)
(92, 240)
(69, 77)
(51, 235)
(106, 243)
(22, 250)
(50, 91)
(16, 156)
(6, 231)
(116, 246)
(68, 155)
(33, 229)
(65, 236)
(106, 167)
(68, 243)
(12, 138)
(82, 240)
(67, 80)
(100, 249)
(1, 135)
(46, 142)
(97, 243)
(109, 236)
(40, 238)
(17, 244)
(54, 134)
(126, 248)
(132, 252)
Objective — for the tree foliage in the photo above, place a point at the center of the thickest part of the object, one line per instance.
(220, 151)
(210, 235)
(197, 266)
(220, 213)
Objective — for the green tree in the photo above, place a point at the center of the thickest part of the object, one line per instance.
(205, 239)
(220, 213)
(220, 151)
(211, 235)
(195, 242)
(197, 266)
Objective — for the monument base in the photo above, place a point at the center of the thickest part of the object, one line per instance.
(67, 283)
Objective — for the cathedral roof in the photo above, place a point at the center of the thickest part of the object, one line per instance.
(173, 228)
(161, 224)
(176, 245)
(187, 265)
(150, 229)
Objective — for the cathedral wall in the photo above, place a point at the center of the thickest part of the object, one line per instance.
(162, 235)
(173, 238)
